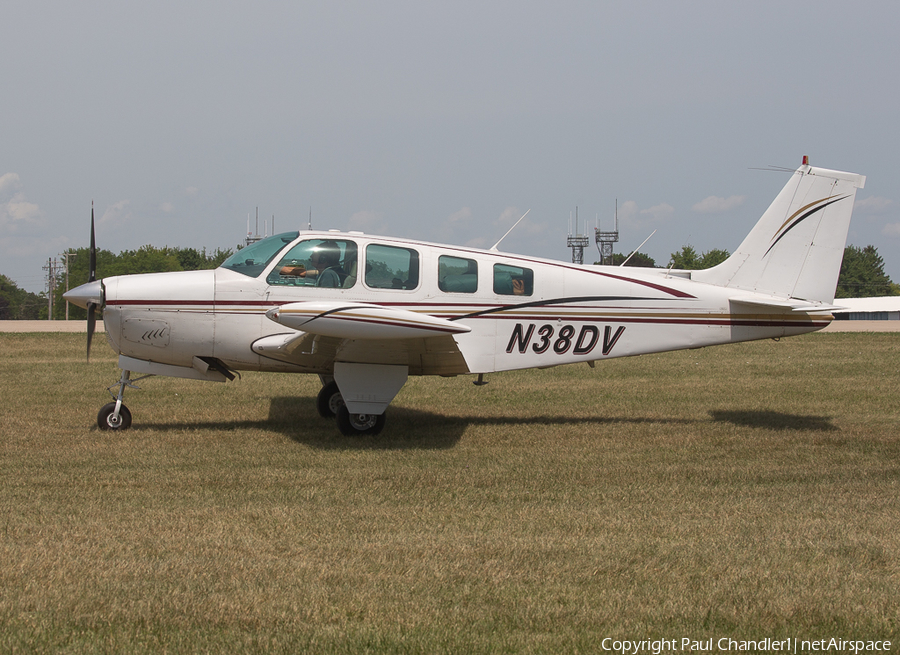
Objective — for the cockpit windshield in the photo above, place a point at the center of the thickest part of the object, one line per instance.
(251, 261)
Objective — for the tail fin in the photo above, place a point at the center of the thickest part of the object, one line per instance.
(796, 248)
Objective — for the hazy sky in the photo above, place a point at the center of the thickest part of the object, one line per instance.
(437, 120)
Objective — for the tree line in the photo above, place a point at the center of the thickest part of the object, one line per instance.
(862, 269)
(862, 274)
(18, 304)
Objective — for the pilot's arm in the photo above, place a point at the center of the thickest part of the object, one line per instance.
(295, 271)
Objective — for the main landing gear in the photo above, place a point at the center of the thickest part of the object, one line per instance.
(352, 425)
(330, 404)
(329, 401)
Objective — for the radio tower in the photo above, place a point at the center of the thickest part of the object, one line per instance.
(576, 242)
(605, 241)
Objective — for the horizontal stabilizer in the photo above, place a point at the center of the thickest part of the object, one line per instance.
(792, 304)
(361, 321)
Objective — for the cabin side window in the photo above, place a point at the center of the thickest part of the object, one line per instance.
(513, 280)
(391, 267)
(327, 263)
(457, 274)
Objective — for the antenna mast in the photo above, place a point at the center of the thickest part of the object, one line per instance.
(255, 236)
(605, 240)
(577, 242)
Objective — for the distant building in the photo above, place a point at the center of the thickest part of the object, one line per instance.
(884, 308)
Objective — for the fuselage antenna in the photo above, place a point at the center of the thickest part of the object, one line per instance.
(494, 247)
(638, 248)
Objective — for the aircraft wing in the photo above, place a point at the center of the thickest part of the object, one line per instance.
(328, 331)
(361, 321)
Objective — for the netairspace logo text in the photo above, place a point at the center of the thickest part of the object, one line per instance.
(726, 644)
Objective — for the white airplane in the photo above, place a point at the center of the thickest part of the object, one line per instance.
(365, 312)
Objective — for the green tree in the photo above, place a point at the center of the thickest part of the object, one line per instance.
(713, 257)
(149, 259)
(217, 258)
(687, 258)
(17, 304)
(189, 259)
(862, 275)
(638, 259)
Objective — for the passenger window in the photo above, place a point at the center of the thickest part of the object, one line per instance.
(390, 267)
(513, 280)
(457, 274)
(328, 263)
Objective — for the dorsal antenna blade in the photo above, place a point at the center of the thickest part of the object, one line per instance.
(494, 247)
(637, 249)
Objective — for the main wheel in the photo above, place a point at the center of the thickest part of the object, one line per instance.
(358, 425)
(329, 400)
(106, 419)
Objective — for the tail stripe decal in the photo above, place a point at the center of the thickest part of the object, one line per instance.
(802, 218)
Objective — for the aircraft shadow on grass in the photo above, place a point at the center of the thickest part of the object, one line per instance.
(297, 419)
(415, 429)
(770, 420)
(411, 429)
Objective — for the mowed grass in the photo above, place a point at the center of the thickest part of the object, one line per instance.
(744, 491)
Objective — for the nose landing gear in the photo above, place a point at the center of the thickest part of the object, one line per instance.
(115, 415)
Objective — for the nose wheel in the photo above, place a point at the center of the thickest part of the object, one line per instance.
(111, 419)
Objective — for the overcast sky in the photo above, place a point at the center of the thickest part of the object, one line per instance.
(437, 120)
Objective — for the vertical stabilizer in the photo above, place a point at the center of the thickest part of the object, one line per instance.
(796, 248)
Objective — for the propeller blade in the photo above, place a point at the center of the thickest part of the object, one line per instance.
(91, 326)
(92, 277)
(93, 253)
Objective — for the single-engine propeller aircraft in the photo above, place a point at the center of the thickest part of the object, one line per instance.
(365, 312)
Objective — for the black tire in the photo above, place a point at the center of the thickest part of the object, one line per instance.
(105, 420)
(359, 425)
(329, 400)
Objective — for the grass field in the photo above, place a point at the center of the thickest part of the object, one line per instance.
(745, 491)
